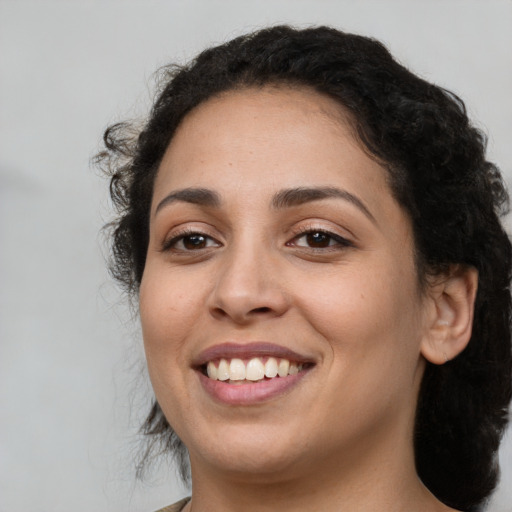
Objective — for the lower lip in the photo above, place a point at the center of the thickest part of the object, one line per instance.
(250, 393)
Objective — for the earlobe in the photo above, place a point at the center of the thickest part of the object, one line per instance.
(450, 324)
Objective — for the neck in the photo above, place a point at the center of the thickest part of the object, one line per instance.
(368, 478)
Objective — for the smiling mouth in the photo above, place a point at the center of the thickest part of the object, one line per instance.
(250, 371)
(250, 374)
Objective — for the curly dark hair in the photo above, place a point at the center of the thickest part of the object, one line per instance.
(437, 171)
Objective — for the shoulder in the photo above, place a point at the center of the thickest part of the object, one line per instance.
(176, 507)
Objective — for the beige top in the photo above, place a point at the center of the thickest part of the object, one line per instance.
(176, 507)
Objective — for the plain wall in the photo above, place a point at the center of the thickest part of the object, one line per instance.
(72, 384)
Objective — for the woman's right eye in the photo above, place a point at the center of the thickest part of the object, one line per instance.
(190, 242)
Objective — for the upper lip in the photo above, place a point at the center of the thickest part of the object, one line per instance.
(230, 350)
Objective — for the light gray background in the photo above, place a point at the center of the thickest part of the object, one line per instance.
(72, 388)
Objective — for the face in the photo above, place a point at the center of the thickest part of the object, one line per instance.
(280, 265)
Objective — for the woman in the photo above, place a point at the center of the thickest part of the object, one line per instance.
(313, 235)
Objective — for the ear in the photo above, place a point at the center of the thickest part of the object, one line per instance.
(450, 319)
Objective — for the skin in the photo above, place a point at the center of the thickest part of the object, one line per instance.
(341, 439)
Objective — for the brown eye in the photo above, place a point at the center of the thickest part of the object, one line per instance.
(190, 242)
(318, 239)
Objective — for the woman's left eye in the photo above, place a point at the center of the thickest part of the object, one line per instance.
(316, 239)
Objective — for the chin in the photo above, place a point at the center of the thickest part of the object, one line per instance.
(248, 453)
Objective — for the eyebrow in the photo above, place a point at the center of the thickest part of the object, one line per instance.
(286, 198)
(301, 195)
(199, 196)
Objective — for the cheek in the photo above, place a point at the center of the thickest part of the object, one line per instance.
(372, 327)
(370, 312)
(168, 312)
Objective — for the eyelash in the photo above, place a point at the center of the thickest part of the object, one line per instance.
(170, 244)
(340, 242)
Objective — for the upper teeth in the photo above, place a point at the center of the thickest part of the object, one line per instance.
(254, 370)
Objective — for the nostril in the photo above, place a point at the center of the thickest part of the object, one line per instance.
(219, 312)
(227, 302)
(261, 310)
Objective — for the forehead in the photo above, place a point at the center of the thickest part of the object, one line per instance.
(278, 131)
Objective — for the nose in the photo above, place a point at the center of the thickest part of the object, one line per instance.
(248, 287)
